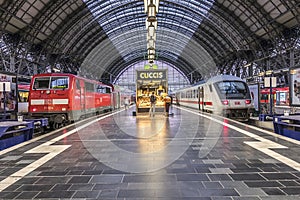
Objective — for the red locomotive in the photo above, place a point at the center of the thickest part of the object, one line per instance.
(64, 98)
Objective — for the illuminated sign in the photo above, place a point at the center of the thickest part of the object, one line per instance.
(151, 75)
(154, 66)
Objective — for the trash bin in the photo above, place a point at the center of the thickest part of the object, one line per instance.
(133, 113)
(20, 117)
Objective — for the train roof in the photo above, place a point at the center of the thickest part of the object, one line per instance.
(213, 80)
(72, 75)
(222, 78)
(55, 74)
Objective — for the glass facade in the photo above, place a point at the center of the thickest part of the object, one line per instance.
(176, 79)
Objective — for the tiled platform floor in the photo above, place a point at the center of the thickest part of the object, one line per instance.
(184, 156)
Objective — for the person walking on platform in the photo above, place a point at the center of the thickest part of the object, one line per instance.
(152, 104)
(167, 100)
(126, 103)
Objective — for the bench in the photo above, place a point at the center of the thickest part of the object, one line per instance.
(287, 125)
(15, 132)
(265, 117)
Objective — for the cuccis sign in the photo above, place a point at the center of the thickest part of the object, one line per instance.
(148, 75)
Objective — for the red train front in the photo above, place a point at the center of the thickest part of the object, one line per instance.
(64, 98)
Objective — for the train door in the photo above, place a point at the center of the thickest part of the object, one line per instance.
(201, 98)
(82, 97)
(115, 100)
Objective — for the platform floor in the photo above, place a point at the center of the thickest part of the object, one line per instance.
(189, 155)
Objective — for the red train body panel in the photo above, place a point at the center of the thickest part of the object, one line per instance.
(265, 94)
(65, 97)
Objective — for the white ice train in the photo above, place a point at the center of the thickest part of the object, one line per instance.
(224, 95)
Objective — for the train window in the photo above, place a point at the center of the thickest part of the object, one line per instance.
(233, 90)
(103, 89)
(100, 89)
(182, 95)
(108, 90)
(89, 87)
(41, 83)
(59, 83)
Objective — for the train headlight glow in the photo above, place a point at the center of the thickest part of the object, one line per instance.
(225, 102)
(63, 109)
(248, 101)
(34, 109)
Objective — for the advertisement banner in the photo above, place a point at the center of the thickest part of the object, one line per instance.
(295, 87)
(254, 94)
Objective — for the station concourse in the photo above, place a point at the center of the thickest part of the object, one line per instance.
(69, 64)
(189, 155)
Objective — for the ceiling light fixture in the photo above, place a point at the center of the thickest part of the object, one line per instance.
(151, 8)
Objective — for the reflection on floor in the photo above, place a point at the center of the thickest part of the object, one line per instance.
(187, 155)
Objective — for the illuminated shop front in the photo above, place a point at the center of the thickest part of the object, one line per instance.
(148, 81)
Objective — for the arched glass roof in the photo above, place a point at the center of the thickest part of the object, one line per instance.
(100, 38)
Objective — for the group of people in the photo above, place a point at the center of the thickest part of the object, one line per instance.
(167, 100)
(8, 101)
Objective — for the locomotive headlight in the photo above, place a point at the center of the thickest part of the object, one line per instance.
(225, 102)
(34, 109)
(248, 101)
(48, 92)
(63, 109)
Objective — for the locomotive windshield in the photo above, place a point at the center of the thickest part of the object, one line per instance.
(232, 90)
(51, 82)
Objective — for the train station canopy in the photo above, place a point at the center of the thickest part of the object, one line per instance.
(99, 38)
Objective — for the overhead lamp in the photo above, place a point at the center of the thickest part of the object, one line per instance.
(148, 2)
(293, 71)
(151, 57)
(151, 51)
(151, 43)
(269, 72)
(156, 3)
(153, 23)
(151, 31)
(151, 12)
(151, 38)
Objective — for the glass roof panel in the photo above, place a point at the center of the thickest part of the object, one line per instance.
(123, 21)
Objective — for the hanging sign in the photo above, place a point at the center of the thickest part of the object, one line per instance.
(6, 86)
(151, 74)
(270, 81)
